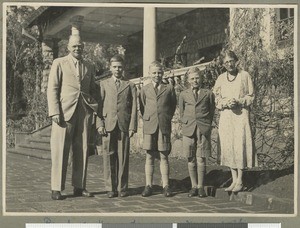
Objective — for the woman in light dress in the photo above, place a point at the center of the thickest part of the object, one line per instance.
(234, 94)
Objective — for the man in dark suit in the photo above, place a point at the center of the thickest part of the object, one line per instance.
(117, 125)
(157, 105)
(71, 92)
(196, 107)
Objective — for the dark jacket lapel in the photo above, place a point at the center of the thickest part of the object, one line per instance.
(123, 85)
(161, 90)
(190, 95)
(201, 95)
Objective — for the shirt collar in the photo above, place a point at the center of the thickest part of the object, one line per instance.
(153, 83)
(115, 79)
(74, 60)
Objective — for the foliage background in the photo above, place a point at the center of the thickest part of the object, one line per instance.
(26, 105)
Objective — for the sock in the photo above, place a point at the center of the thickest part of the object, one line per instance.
(193, 173)
(201, 170)
(164, 169)
(149, 169)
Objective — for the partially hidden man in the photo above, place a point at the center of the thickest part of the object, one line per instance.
(196, 106)
(71, 101)
(117, 125)
(157, 106)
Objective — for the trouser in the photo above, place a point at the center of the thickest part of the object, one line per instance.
(116, 147)
(71, 135)
(197, 148)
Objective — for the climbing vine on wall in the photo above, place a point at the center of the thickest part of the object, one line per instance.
(271, 65)
(26, 106)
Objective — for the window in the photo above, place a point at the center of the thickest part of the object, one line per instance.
(285, 13)
(285, 23)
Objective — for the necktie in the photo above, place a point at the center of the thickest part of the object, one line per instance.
(78, 68)
(117, 84)
(195, 90)
(156, 87)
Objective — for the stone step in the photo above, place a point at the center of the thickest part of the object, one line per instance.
(45, 135)
(39, 141)
(34, 147)
(42, 154)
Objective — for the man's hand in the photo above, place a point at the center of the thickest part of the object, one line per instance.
(102, 131)
(131, 133)
(56, 119)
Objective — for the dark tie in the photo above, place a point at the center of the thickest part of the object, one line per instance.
(117, 84)
(195, 91)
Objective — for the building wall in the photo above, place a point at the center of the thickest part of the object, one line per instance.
(204, 29)
(270, 30)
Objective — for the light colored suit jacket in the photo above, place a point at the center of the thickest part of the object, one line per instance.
(157, 109)
(196, 113)
(118, 106)
(65, 87)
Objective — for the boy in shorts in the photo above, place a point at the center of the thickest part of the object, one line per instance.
(196, 107)
(157, 106)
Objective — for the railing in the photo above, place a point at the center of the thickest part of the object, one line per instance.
(167, 74)
(170, 73)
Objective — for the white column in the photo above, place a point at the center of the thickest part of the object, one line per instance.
(149, 50)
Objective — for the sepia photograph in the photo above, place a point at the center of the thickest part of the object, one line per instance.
(128, 109)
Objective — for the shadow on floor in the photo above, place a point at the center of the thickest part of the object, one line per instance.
(254, 179)
(156, 189)
(222, 178)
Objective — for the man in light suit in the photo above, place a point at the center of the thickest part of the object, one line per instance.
(117, 125)
(71, 97)
(196, 107)
(157, 105)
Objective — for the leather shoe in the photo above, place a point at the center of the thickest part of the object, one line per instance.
(123, 194)
(85, 193)
(82, 192)
(111, 194)
(147, 191)
(193, 192)
(201, 192)
(56, 195)
(167, 191)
